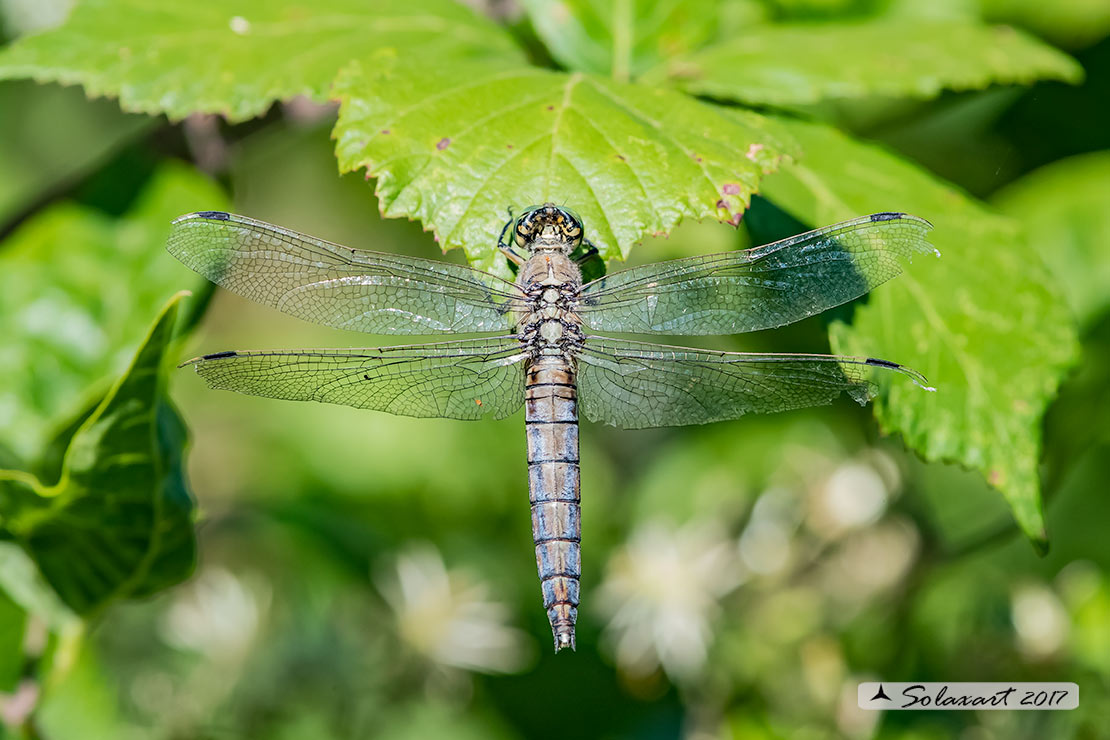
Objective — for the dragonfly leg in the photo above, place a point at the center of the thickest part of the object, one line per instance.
(512, 256)
(506, 246)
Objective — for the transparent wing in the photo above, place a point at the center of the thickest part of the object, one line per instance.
(464, 379)
(759, 288)
(334, 285)
(637, 385)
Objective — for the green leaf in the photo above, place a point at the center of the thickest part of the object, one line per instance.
(787, 65)
(456, 147)
(985, 323)
(236, 59)
(1064, 207)
(76, 287)
(621, 38)
(118, 523)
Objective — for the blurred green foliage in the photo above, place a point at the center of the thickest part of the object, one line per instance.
(739, 578)
(117, 522)
(41, 154)
(1063, 207)
(60, 290)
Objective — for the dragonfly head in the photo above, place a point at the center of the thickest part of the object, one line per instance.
(548, 227)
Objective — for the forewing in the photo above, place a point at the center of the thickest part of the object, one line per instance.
(636, 385)
(759, 288)
(337, 286)
(463, 379)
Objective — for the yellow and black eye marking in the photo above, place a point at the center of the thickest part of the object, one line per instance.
(549, 221)
(549, 227)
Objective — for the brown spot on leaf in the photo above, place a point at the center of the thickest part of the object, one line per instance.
(735, 220)
(443, 143)
(730, 188)
(721, 203)
(753, 150)
(508, 146)
(621, 158)
(995, 477)
(478, 401)
(551, 107)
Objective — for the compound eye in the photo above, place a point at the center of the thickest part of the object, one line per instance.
(521, 232)
(573, 229)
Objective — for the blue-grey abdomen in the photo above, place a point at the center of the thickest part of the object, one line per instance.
(551, 422)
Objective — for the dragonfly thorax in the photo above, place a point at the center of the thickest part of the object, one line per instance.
(558, 337)
(551, 331)
(549, 321)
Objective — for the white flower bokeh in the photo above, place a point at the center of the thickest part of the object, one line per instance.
(661, 594)
(1041, 621)
(447, 617)
(216, 614)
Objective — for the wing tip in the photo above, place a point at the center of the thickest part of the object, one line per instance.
(903, 216)
(899, 216)
(886, 216)
(203, 216)
(213, 356)
(918, 379)
(925, 246)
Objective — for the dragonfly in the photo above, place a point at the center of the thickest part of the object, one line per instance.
(545, 345)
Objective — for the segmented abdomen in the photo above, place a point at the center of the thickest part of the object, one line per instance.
(551, 421)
